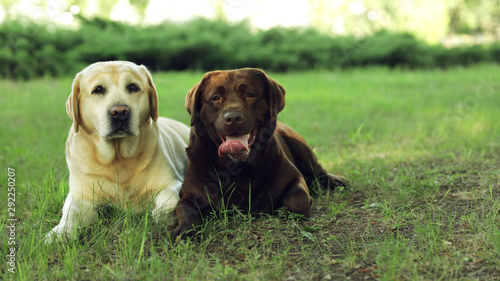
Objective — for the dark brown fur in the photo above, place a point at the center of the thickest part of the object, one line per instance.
(274, 174)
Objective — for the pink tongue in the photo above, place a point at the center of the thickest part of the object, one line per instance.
(234, 145)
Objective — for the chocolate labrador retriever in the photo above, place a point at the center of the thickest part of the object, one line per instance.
(238, 154)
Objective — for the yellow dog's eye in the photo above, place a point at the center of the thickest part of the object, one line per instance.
(216, 98)
(99, 90)
(133, 88)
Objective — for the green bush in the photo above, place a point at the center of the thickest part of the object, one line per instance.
(28, 50)
(495, 52)
(390, 49)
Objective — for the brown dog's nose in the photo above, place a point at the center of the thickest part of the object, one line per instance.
(233, 118)
(119, 112)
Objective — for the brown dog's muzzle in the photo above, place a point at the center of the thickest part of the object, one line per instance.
(233, 118)
(237, 135)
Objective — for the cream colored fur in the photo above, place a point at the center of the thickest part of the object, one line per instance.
(125, 169)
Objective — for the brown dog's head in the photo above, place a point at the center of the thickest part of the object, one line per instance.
(237, 108)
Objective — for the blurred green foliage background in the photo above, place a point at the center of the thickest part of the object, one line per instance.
(393, 33)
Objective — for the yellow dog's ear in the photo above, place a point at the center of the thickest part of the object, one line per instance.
(153, 95)
(72, 106)
(193, 96)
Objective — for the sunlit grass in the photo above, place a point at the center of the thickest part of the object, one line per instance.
(420, 149)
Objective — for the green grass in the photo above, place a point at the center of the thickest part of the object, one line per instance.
(421, 149)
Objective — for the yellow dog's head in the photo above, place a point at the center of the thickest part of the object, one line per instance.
(112, 99)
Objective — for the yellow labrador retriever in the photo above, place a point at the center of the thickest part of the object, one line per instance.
(118, 150)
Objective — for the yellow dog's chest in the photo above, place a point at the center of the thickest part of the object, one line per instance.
(120, 183)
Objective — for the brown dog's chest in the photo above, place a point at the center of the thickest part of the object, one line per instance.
(256, 185)
(257, 188)
(248, 195)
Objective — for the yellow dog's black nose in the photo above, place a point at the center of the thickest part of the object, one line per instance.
(119, 112)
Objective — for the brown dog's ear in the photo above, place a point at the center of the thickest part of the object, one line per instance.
(276, 97)
(275, 92)
(190, 98)
(192, 101)
(72, 106)
(153, 95)
(193, 96)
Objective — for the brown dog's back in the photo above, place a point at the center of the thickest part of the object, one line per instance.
(302, 156)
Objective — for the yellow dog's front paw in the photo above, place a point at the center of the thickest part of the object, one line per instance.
(58, 233)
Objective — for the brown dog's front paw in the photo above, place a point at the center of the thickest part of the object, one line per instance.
(331, 181)
(183, 232)
(297, 200)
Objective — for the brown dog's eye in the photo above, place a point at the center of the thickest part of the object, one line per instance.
(216, 98)
(99, 90)
(250, 95)
(133, 88)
